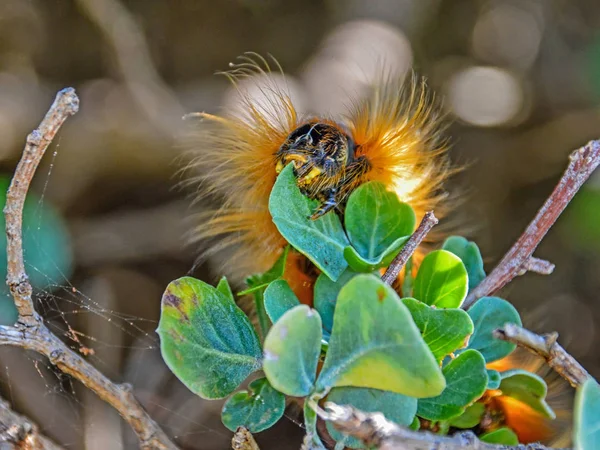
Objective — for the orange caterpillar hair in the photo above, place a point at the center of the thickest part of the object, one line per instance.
(397, 128)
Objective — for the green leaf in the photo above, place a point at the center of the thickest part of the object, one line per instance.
(360, 264)
(322, 240)
(205, 339)
(279, 298)
(488, 314)
(444, 330)
(528, 388)
(501, 436)
(224, 288)
(396, 408)
(470, 255)
(292, 350)
(493, 379)
(407, 283)
(470, 418)
(375, 219)
(415, 424)
(378, 224)
(262, 280)
(375, 343)
(257, 409)
(442, 280)
(586, 433)
(466, 381)
(47, 248)
(326, 294)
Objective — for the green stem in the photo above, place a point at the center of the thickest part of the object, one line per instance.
(263, 320)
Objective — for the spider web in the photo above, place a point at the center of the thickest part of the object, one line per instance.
(124, 347)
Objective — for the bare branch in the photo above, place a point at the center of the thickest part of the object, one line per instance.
(392, 272)
(548, 348)
(30, 332)
(20, 432)
(65, 104)
(583, 162)
(376, 431)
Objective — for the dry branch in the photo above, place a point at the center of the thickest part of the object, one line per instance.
(427, 223)
(30, 332)
(66, 104)
(517, 260)
(548, 348)
(376, 431)
(18, 432)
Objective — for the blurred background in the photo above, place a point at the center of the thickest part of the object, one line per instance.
(106, 220)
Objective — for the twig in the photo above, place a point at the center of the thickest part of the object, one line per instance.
(30, 332)
(376, 431)
(547, 347)
(243, 440)
(537, 265)
(20, 432)
(65, 105)
(583, 162)
(392, 272)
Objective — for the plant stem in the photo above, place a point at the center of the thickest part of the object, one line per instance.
(548, 348)
(392, 272)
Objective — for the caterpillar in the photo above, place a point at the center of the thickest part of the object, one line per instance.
(394, 135)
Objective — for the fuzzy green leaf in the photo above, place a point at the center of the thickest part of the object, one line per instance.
(224, 288)
(501, 436)
(279, 298)
(292, 350)
(442, 280)
(396, 408)
(375, 219)
(528, 388)
(586, 433)
(326, 294)
(470, 418)
(466, 381)
(444, 330)
(256, 409)
(375, 343)
(322, 240)
(205, 339)
(364, 265)
(488, 314)
(470, 255)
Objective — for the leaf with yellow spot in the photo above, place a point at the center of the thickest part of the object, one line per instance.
(205, 339)
(376, 344)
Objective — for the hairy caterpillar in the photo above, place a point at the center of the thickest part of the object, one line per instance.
(393, 136)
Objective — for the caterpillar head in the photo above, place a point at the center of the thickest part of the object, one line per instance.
(320, 153)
